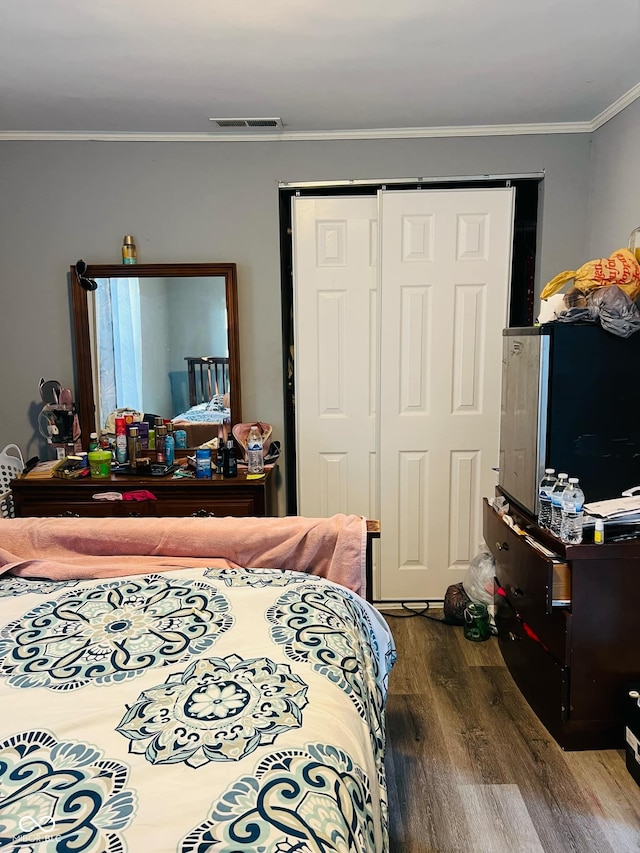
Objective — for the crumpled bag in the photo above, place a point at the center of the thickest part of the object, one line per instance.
(615, 310)
(621, 268)
(480, 581)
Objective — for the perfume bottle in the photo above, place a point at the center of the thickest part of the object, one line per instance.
(128, 250)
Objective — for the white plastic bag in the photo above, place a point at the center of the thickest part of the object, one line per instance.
(480, 583)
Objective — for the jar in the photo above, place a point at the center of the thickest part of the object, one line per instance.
(477, 626)
(99, 464)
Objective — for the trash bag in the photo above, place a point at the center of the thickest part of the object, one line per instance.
(455, 603)
(480, 583)
(621, 268)
(617, 312)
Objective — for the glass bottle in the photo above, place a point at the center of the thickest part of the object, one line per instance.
(129, 254)
(161, 434)
(134, 447)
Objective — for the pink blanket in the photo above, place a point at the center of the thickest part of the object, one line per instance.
(83, 548)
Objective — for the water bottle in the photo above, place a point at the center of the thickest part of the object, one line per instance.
(544, 497)
(556, 503)
(572, 503)
(255, 462)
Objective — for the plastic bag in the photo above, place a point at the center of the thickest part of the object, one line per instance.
(479, 583)
(619, 268)
(615, 310)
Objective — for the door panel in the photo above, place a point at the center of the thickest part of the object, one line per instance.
(444, 278)
(398, 370)
(335, 262)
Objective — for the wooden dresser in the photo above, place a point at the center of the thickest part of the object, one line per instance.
(568, 628)
(235, 496)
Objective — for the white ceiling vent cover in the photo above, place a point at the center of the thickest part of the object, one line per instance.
(235, 123)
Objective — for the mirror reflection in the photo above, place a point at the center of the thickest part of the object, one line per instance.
(147, 332)
(159, 339)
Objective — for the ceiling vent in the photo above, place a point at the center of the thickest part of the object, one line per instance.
(235, 123)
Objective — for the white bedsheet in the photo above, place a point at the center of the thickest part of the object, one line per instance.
(194, 710)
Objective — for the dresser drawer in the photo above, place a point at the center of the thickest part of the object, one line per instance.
(527, 578)
(543, 680)
(239, 507)
(88, 509)
(178, 497)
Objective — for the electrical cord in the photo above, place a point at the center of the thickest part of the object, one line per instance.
(411, 613)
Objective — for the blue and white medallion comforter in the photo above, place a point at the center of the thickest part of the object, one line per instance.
(195, 710)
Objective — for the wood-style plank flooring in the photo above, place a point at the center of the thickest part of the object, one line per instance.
(470, 767)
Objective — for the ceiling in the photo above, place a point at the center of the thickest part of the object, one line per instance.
(326, 67)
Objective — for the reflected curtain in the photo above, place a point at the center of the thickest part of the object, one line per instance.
(119, 332)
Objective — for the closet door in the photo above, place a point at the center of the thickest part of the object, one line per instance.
(445, 268)
(335, 267)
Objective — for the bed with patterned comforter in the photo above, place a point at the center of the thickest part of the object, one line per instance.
(192, 710)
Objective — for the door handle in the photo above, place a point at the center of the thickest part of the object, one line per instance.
(502, 546)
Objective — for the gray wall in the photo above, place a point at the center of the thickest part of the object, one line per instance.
(60, 201)
(614, 197)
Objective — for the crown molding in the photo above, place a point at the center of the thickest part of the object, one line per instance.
(301, 135)
(616, 107)
(445, 132)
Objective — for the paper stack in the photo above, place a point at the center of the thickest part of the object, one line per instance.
(623, 510)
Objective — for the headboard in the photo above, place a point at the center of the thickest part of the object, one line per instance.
(208, 375)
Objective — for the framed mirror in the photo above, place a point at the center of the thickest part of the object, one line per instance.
(157, 338)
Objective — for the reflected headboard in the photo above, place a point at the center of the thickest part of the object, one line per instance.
(208, 375)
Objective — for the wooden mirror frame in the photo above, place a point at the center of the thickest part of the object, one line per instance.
(85, 397)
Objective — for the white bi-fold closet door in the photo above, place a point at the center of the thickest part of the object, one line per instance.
(399, 304)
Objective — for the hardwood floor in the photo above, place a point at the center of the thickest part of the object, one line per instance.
(470, 767)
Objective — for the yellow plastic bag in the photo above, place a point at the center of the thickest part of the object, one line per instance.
(620, 268)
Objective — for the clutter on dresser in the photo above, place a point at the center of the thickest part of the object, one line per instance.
(58, 420)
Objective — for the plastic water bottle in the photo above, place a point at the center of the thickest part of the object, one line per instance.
(572, 503)
(255, 462)
(556, 503)
(544, 497)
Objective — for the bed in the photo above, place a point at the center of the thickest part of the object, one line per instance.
(190, 685)
(209, 405)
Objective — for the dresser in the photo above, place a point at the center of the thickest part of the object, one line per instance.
(236, 496)
(568, 627)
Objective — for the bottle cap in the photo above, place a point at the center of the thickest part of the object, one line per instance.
(549, 470)
(128, 239)
(573, 480)
(562, 476)
(133, 431)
